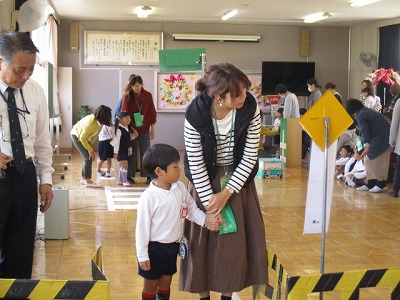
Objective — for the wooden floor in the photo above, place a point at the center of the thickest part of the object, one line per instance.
(364, 234)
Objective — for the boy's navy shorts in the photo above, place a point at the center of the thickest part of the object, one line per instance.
(162, 260)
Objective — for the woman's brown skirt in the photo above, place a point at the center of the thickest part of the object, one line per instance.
(228, 262)
(378, 168)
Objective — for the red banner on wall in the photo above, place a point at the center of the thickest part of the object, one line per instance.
(274, 99)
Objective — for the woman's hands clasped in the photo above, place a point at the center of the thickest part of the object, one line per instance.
(217, 202)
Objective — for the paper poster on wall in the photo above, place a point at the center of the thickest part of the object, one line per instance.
(175, 91)
(122, 48)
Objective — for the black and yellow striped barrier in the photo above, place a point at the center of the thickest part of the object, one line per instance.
(46, 289)
(273, 291)
(349, 283)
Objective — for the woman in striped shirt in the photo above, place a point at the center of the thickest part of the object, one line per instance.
(222, 130)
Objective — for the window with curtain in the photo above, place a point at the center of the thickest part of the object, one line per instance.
(45, 39)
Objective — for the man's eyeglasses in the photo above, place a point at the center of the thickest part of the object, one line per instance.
(24, 128)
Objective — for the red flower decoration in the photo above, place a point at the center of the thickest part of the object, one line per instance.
(388, 76)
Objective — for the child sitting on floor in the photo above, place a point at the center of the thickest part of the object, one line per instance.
(354, 171)
(345, 155)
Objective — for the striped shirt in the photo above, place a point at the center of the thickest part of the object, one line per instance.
(225, 145)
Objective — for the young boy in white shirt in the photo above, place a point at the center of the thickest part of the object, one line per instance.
(159, 227)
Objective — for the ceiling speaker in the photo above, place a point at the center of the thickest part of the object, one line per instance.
(74, 37)
(304, 42)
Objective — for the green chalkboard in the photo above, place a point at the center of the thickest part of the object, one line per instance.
(50, 89)
(176, 60)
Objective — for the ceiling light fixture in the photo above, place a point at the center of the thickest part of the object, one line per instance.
(360, 3)
(229, 14)
(216, 37)
(143, 12)
(317, 17)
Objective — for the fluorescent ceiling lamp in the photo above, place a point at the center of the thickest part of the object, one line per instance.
(360, 3)
(216, 37)
(143, 11)
(229, 14)
(317, 17)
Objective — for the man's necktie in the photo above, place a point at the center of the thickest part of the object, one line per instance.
(17, 143)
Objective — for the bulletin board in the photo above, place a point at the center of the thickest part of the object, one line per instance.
(122, 48)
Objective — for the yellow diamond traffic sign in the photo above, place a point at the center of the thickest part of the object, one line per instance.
(326, 107)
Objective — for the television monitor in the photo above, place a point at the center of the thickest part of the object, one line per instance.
(292, 74)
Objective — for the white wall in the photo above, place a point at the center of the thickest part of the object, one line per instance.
(363, 39)
(329, 48)
(335, 51)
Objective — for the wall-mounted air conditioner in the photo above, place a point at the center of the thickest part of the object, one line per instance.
(216, 37)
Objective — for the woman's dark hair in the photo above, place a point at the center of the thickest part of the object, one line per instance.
(159, 155)
(353, 105)
(302, 111)
(368, 90)
(133, 79)
(330, 85)
(103, 115)
(394, 89)
(281, 89)
(368, 82)
(388, 115)
(280, 110)
(352, 126)
(221, 79)
(313, 81)
(121, 115)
